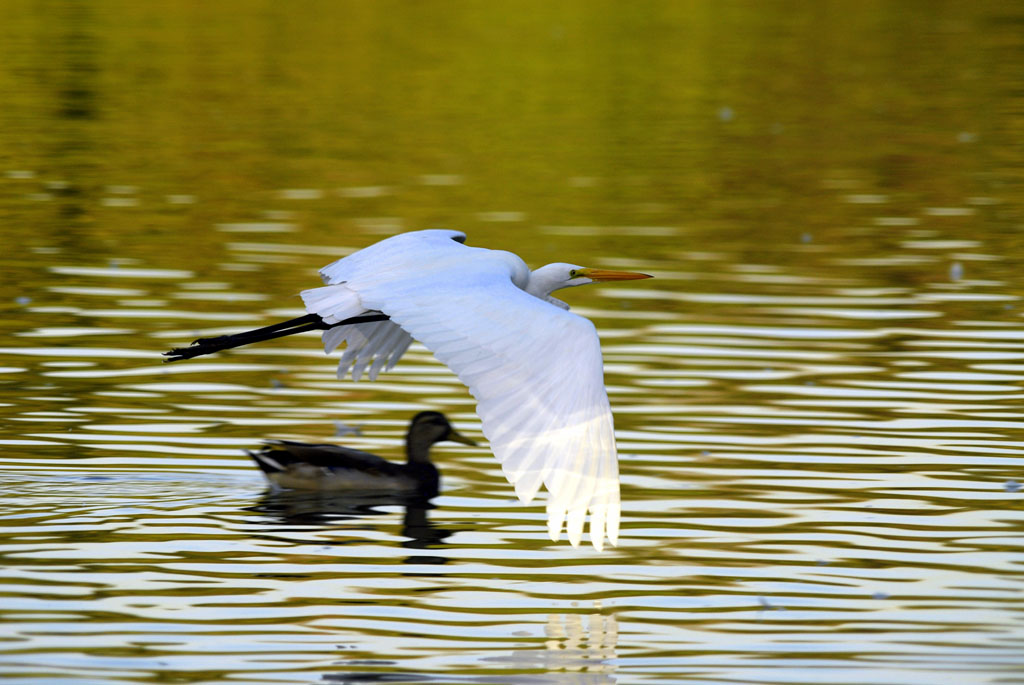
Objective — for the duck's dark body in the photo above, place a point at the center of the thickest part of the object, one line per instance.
(302, 466)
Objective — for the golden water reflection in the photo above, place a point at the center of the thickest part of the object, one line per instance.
(816, 398)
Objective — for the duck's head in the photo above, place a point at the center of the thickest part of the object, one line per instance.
(429, 427)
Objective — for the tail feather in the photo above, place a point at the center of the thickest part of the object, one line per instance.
(267, 464)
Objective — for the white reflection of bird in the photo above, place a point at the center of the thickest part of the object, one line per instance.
(534, 368)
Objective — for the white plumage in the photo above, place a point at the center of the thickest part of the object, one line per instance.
(534, 368)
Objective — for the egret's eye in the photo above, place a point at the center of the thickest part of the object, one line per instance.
(572, 273)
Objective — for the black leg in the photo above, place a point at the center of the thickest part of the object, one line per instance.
(302, 324)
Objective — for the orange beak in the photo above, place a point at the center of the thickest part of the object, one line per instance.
(601, 275)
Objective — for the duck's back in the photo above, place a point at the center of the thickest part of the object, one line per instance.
(302, 466)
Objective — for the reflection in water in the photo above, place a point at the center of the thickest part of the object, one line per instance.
(319, 509)
(818, 408)
(579, 647)
(78, 48)
(577, 650)
(73, 143)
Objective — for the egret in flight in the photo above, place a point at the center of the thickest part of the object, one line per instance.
(534, 368)
(333, 468)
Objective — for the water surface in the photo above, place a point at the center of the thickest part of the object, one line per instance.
(817, 400)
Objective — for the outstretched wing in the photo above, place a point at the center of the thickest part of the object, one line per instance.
(535, 370)
(373, 347)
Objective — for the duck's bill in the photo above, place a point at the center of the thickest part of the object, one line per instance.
(601, 275)
(459, 437)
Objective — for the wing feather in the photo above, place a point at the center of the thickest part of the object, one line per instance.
(535, 369)
(537, 374)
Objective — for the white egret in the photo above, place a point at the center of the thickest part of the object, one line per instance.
(334, 468)
(535, 369)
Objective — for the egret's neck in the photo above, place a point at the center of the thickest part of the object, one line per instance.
(517, 269)
(545, 281)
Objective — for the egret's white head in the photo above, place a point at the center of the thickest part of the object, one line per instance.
(552, 277)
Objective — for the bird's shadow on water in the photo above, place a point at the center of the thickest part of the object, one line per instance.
(299, 510)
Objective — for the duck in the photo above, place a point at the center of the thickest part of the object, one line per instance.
(291, 465)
